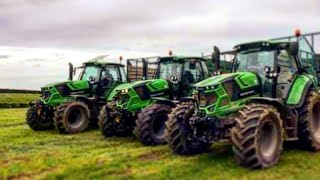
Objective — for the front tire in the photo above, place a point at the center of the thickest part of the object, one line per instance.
(113, 125)
(39, 122)
(257, 136)
(150, 125)
(179, 132)
(72, 117)
(309, 122)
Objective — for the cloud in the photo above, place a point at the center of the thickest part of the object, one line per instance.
(49, 33)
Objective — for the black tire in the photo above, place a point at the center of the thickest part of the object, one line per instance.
(109, 127)
(72, 117)
(309, 122)
(39, 122)
(150, 125)
(178, 129)
(257, 136)
(105, 125)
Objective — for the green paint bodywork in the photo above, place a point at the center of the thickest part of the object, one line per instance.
(159, 88)
(77, 87)
(223, 104)
(299, 85)
(131, 101)
(56, 98)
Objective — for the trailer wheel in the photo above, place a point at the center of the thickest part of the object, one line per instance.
(72, 117)
(179, 132)
(150, 125)
(39, 122)
(309, 122)
(257, 136)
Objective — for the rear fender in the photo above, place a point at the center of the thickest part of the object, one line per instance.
(298, 91)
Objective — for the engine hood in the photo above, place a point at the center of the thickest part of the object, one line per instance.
(138, 83)
(73, 85)
(245, 78)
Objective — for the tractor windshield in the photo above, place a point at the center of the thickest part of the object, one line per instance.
(89, 71)
(170, 68)
(253, 61)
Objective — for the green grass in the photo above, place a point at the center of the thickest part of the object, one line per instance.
(26, 154)
(17, 97)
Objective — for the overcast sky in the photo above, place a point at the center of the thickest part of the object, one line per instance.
(39, 37)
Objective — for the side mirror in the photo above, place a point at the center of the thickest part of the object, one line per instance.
(74, 71)
(294, 48)
(144, 69)
(216, 58)
(71, 71)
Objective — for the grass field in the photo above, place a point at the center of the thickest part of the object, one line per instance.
(17, 97)
(25, 154)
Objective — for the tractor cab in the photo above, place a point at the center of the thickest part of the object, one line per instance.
(180, 72)
(277, 63)
(101, 75)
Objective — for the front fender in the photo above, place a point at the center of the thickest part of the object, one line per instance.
(165, 101)
(298, 91)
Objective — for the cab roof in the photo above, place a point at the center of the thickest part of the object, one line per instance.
(103, 61)
(263, 43)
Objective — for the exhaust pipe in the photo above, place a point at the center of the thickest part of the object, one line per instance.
(70, 71)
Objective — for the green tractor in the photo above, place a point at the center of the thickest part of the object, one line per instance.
(271, 96)
(72, 105)
(143, 105)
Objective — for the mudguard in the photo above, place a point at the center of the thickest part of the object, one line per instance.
(165, 101)
(84, 99)
(298, 91)
(266, 100)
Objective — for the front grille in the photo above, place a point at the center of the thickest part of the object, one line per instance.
(205, 99)
(45, 94)
(123, 98)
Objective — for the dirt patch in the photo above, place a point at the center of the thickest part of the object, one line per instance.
(125, 172)
(42, 172)
(153, 155)
(15, 159)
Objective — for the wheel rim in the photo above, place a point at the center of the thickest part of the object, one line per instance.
(75, 117)
(268, 139)
(315, 120)
(159, 125)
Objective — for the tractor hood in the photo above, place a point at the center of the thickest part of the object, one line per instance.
(55, 93)
(74, 85)
(216, 95)
(139, 83)
(243, 78)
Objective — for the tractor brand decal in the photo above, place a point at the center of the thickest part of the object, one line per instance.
(248, 93)
(77, 92)
(157, 94)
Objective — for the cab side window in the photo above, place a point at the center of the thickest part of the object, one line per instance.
(306, 55)
(192, 71)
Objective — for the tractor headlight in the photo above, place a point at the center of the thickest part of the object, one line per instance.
(124, 91)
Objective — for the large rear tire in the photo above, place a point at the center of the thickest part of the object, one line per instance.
(39, 121)
(179, 132)
(150, 125)
(257, 136)
(72, 117)
(309, 122)
(111, 125)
